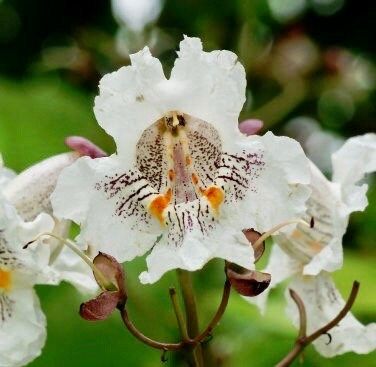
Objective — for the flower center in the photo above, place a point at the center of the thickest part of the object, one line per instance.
(179, 155)
(5, 279)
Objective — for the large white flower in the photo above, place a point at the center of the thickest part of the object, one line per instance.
(22, 323)
(310, 254)
(184, 181)
(29, 192)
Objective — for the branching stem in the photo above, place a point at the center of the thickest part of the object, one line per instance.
(218, 315)
(303, 340)
(179, 315)
(146, 340)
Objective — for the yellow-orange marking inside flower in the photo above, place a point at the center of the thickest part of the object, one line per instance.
(315, 245)
(194, 179)
(171, 174)
(297, 234)
(159, 204)
(215, 196)
(188, 160)
(5, 279)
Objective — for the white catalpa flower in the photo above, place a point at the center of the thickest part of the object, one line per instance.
(22, 322)
(136, 14)
(184, 182)
(310, 254)
(29, 193)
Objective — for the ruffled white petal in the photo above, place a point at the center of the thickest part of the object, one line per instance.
(281, 267)
(206, 85)
(30, 191)
(350, 163)
(23, 333)
(323, 302)
(279, 188)
(210, 86)
(92, 193)
(131, 99)
(224, 241)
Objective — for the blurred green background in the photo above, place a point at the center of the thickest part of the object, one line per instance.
(311, 75)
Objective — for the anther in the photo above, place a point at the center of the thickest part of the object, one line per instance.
(175, 120)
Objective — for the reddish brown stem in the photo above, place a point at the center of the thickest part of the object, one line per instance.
(303, 340)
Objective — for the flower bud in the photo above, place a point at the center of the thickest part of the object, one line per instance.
(250, 126)
(114, 295)
(84, 147)
(249, 283)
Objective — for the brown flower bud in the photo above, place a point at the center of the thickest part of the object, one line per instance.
(84, 147)
(114, 296)
(249, 283)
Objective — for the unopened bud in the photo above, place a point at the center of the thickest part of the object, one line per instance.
(114, 295)
(250, 126)
(249, 283)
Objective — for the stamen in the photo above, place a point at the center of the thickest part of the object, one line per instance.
(277, 228)
(175, 120)
(103, 282)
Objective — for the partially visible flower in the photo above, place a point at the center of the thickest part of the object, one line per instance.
(22, 322)
(309, 254)
(184, 182)
(29, 192)
(136, 14)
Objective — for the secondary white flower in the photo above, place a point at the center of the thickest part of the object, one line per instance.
(136, 14)
(310, 254)
(22, 323)
(29, 193)
(185, 181)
